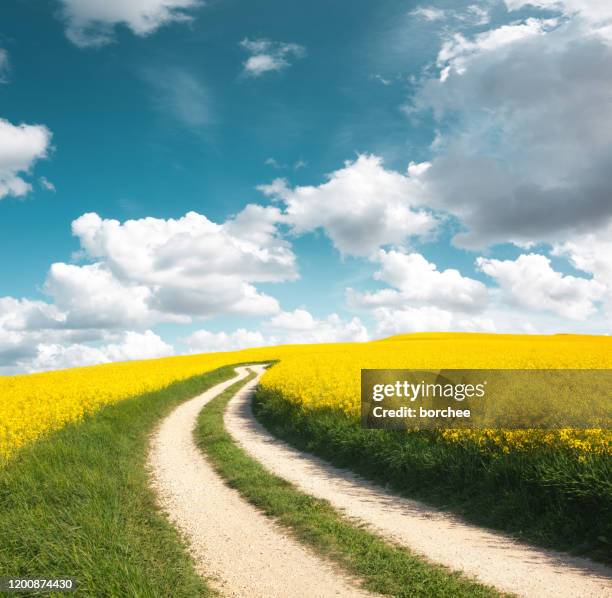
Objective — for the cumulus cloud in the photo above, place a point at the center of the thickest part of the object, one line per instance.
(36, 335)
(523, 154)
(300, 326)
(204, 341)
(22, 324)
(190, 266)
(91, 297)
(414, 280)
(140, 273)
(20, 147)
(530, 281)
(590, 253)
(361, 207)
(391, 321)
(288, 327)
(268, 56)
(131, 346)
(91, 23)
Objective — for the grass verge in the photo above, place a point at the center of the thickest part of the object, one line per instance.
(77, 503)
(544, 496)
(385, 568)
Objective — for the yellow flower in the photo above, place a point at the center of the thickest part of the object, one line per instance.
(313, 376)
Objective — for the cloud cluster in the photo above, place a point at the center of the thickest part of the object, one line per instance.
(522, 154)
(361, 207)
(288, 327)
(182, 267)
(416, 281)
(530, 295)
(143, 272)
(391, 321)
(35, 336)
(268, 56)
(91, 23)
(20, 147)
(530, 281)
(130, 345)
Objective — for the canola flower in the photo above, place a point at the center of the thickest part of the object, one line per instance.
(314, 376)
(331, 378)
(31, 405)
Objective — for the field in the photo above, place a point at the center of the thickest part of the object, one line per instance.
(77, 502)
(550, 487)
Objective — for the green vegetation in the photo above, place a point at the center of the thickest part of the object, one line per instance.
(545, 496)
(77, 503)
(385, 568)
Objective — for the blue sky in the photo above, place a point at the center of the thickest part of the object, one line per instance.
(410, 166)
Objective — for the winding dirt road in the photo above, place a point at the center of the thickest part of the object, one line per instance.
(239, 549)
(491, 557)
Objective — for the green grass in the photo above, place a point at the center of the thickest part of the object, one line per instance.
(77, 503)
(385, 568)
(543, 496)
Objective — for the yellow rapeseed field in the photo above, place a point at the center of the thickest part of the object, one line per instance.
(312, 375)
(330, 377)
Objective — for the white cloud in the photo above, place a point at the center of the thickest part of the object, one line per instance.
(477, 15)
(427, 319)
(288, 327)
(267, 56)
(20, 147)
(415, 280)
(179, 93)
(429, 13)
(590, 252)
(361, 207)
(91, 23)
(472, 15)
(46, 184)
(503, 164)
(300, 326)
(35, 335)
(204, 341)
(457, 53)
(274, 163)
(132, 346)
(4, 65)
(594, 10)
(191, 266)
(144, 272)
(91, 297)
(531, 282)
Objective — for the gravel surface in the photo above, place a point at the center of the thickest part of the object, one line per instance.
(240, 550)
(488, 556)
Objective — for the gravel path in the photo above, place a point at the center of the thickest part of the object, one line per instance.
(488, 556)
(242, 551)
